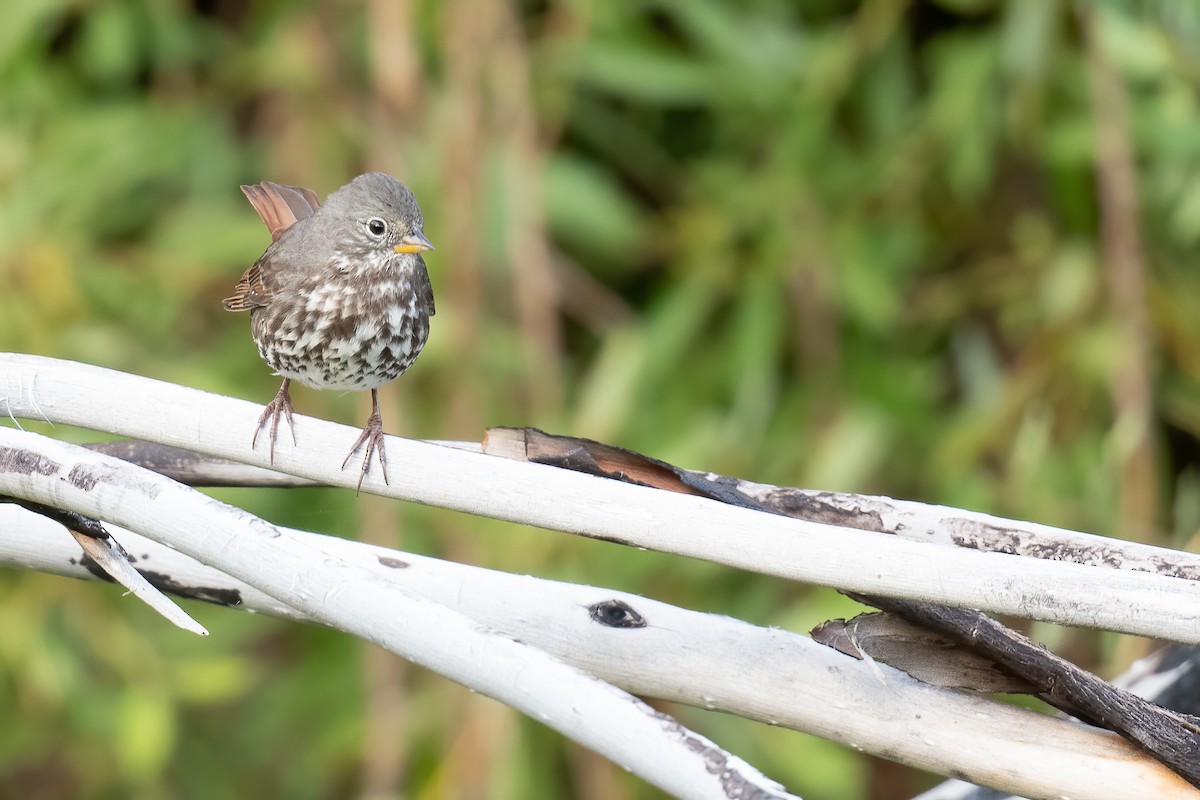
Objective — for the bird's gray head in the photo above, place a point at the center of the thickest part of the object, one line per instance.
(374, 217)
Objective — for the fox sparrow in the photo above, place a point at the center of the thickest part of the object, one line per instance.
(341, 297)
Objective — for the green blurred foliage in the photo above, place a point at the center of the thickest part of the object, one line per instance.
(843, 245)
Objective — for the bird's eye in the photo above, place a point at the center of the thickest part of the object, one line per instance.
(377, 227)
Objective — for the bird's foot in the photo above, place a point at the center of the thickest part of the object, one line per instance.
(372, 437)
(281, 406)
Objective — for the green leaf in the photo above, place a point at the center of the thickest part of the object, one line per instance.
(589, 211)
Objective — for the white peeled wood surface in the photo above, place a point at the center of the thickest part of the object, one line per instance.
(708, 660)
(1071, 594)
(927, 522)
(335, 592)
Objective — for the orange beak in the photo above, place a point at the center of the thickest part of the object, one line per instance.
(415, 242)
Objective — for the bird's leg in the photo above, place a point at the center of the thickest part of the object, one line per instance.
(372, 437)
(281, 406)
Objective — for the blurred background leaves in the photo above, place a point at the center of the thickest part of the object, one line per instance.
(938, 250)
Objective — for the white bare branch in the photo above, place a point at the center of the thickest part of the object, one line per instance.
(873, 563)
(708, 660)
(335, 592)
(926, 522)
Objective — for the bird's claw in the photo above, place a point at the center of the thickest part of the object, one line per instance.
(281, 406)
(372, 437)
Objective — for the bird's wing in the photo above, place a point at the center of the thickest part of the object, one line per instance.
(251, 291)
(280, 205)
(424, 289)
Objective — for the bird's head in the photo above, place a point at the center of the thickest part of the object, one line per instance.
(375, 216)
